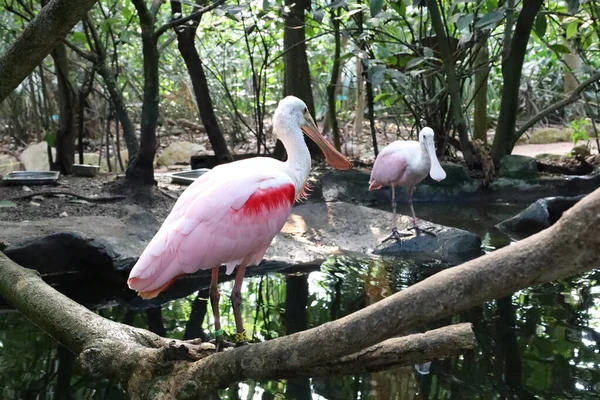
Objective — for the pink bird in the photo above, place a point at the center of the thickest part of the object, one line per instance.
(406, 163)
(231, 214)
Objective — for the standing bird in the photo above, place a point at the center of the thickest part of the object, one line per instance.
(406, 163)
(231, 214)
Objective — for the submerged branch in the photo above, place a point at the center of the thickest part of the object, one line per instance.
(146, 363)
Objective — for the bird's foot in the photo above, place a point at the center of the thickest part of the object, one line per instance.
(220, 342)
(241, 339)
(396, 235)
(419, 231)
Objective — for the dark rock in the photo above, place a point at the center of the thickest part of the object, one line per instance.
(92, 273)
(456, 174)
(519, 167)
(449, 245)
(538, 216)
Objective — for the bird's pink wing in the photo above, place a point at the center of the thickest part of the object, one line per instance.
(221, 218)
(389, 167)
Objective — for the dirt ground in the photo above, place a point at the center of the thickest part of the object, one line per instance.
(37, 205)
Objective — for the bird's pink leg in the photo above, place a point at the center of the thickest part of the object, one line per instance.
(395, 234)
(415, 226)
(236, 303)
(214, 302)
(411, 190)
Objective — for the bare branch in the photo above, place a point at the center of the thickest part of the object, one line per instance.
(91, 57)
(193, 16)
(572, 98)
(437, 344)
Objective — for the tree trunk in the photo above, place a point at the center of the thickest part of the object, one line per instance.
(186, 36)
(296, 81)
(141, 169)
(67, 132)
(331, 118)
(116, 96)
(38, 39)
(359, 106)
(452, 82)
(512, 66)
(481, 91)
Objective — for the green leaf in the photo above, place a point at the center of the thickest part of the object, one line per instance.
(127, 13)
(399, 7)
(559, 48)
(50, 138)
(463, 22)
(79, 37)
(376, 6)
(540, 26)
(414, 62)
(489, 20)
(7, 204)
(572, 29)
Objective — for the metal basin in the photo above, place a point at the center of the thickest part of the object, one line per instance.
(187, 177)
(31, 177)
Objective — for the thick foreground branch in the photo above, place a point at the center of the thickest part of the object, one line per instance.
(38, 39)
(146, 363)
(138, 358)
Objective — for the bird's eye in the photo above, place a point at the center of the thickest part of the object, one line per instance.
(305, 110)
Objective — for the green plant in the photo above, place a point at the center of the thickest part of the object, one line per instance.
(579, 131)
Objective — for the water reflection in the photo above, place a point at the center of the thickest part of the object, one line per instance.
(538, 343)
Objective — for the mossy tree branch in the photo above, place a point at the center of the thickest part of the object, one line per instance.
(38, 39)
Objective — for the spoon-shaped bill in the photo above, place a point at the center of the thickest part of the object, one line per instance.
(332, 156)
(436, 172)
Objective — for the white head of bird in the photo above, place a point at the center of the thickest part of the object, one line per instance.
(426, 138)
(291, 118)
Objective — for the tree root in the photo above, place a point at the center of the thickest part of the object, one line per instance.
(79, 196)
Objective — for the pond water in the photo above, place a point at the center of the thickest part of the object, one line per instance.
(541, 342)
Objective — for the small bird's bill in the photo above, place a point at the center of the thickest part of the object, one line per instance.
(436, 172)
(332, 156)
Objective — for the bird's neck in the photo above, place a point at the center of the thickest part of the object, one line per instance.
(424, 152)
(298, 163)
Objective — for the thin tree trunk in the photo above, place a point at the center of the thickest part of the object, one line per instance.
(481, 90)
(512, 67)
(186, 35)
(66, 134)
(141, 169)
(331, 119)
(297, 80)
(359, 106)
(121, 112)
(452, 82)
(35, 116)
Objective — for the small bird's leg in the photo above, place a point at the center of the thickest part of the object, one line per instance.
(214, 302)
(415, 226)
(236, 302)
(411, 190)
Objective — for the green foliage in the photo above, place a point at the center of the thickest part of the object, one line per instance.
(579, 131)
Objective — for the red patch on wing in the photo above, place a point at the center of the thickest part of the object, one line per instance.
(268, 199)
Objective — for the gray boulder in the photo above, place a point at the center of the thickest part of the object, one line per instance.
(520, 167)
(538, 216)
(449, 245)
